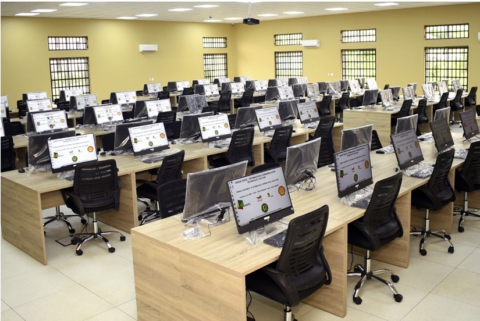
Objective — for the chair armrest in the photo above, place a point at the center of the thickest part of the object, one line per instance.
(282, 280)
(327, 267)
(369, 232)
(78, 203)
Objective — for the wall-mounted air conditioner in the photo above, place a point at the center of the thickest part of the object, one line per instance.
(148, 48)
(311, 43)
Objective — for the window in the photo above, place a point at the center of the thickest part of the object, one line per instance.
(67, 43)
(290, 39)
(214, 42)
(365, 35)
(69, 73)
(446, 32)
(447, 63)
(215, 66)
(288, 64)
(359, 63)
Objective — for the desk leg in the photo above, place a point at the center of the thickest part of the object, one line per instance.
(333, 298)
(127, 217)
(232, 106)
(171, 285)
(258, 153)
(173, 101)
(398, 251)
(194, 165)
(22, 220)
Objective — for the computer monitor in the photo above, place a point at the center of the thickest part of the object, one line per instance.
(89, 115)
(108, 114)
(246, 117)
(30, 123)
(147, 139)
(243, 80)
(177, 85)
(312, 90)
(122, 140)
(370, 97)
(140, 109)
(301, 162)
(299, 90)
(354, 137)
(152, 88)
(52, 121)
(214, 128)
(190, 127)
(334, 88)
(408, 93)
(353, 169)
(344, 85)
(237, 88)
(395, 92)
(361, 82)
(2, 131)
(39, 105)
(260, 85)
(442, 87)
(407, 149)
(308, 112)
(4, 105)
(288, 109)
(201, 200)
(285, 93)
(220, 81)
(272, 94)
(192, 103)
(80, 102)
(323, 87)
(34, 96)
(153, 107)
(226, 87)
(387, 97)
(278, 82)
(457, 85)
(372, 83)
(354, 87)
(125, 98)
(200, 82)
(442, 113)
(469, 123)
(407, 123)
(434, 84)
(268, 119)
(37, 146)
(414, 87)
(259, 199)
(67, 93)
(428, 92)
(441, 134)
(67, 152)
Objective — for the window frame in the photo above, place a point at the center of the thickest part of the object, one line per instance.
(66, 43)
(342, 37)
(447, 32)
(86, 88)
(360, 73)
(290, 74)
(212, 78)
(288, 34)
(213, 42)
(448, 70)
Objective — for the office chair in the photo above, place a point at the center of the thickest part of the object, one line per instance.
(187, 91)
(324, 131)
(105, 101)
(456, 105)
(342, 105)
(376, 143)
(302, 268)
(324, 128)
(324, 109)
(433, 197)
(240, 149)
(232, 119)
(467, 180)
(264, 167)
(170, 170)
(168, 119)
(96, 187)
(8, 154)
(471, 99)
(139, 92)
(210, 109)
(442, 103)
(247, 99)
(224, 102)
(63, 105)
(378, 227)
(163, 94)
(14, 128)
(422, 115)
(277, 151)
(108, 142)
(404, 111)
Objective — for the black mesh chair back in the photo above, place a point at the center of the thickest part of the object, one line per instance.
(443, 102)
(376, 143)
(22, 108)
(240, 148)
(232, 119)
(224, 102)
(355, 102)
(139, 93)
(165, 88)
(327, 150)
(405, 109)
(210, 109)
(264, 167)
(325, 127)
(380, 211)
(456, 103)
(386, 87)
(14, 128)
(422, 112)
(8, 154)
(177, 127)
(171, 168)
(96, 185)
(108, 142)
(280, 142)
(343, 103)
(172, 197)
(105, 101)
(438, 182)
(187, 91)
(168, 119)
(470, 169)
(302, 254)
(471, 99)
(247, 99)
(325, 106)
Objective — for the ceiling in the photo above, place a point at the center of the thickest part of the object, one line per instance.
(226, 9)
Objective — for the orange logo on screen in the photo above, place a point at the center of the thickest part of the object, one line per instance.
(226, 125)
(90, 149)
(162, 135)
(118, 113)
(281, 190)
(367, 164)
(416, 144)
(48, 106)
(62, 120)
(314, 110)
(277, 116)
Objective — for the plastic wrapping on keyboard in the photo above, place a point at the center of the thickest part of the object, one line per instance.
(268, 133)
(355, 196)
(272, 95)
(312, 125)
(387, 149)
(89, 126)
(186, 141)
(67, 175)
(461, 153)
(200, 226)
(442, 113)
(149, 158)
(407, 123)
(34, 169)
(354, 137)
(426, 138)
(259, 235)
(424, 169)
(225, 143)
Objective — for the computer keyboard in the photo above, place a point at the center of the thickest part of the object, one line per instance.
(276, 240)
(362, 203)
(153, 160)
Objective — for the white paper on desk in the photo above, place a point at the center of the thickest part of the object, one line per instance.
(107, 114)
(39, 104)
(50, 121)
(157, 106)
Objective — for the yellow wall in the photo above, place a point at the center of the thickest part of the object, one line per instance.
(115, 61)
(400, 43)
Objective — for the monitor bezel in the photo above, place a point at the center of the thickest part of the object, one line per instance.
(72, 167)
(352, 189)
(442, 147)
(413, 161)
(214, 138)
(475, 132)
(243, 108)
(149, 150)
(268, 128)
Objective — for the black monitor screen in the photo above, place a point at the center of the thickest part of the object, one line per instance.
(302, 160)
(469, 122)
(190, 127)
(38, 153)
(140, 110)
(395, 92)
(353, 169)
(288, 109)
(441, 134)
(246, 117)
(354, 137)
(122, 135)
(407, 149)
(370, 97)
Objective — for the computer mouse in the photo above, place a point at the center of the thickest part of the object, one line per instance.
(380, 152)
(21, 170)
(103, 153)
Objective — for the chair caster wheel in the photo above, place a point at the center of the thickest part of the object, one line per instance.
(111, 250)
(79, 252)
(356, 269)
(450, 249)
(395, 278)
(122, 238)
(357, 300)
(423, 252)
(448, 237)
(398, 297)
(72, 231)
(461, 229)
(83, 221)
(44, 233)
(140, 218)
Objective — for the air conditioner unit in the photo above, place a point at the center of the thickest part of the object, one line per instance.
(148, 48)
(311, 43)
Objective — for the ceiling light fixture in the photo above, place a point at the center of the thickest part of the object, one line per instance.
(268, 15)
(147, 15)
(73, 4)
(386, 4)
(26, 14)
(44, 10)
(127, 18)
(212, 20)
(207, 6)
(293, 12)
(336, 9)
(180, 9)
(233, 18)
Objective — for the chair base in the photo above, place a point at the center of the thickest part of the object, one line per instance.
(367, 274)
(288, 314)
(463, 212)
(59, 216)
(148, 215)
(97, 234)
(424, 232)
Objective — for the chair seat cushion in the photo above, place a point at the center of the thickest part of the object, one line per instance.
(390, 231)
(69, 203)
(147, 192)
(421, 200)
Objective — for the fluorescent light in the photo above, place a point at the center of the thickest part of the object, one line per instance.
(207, 6)
(127, 18)
(267, 15)
(180, 9)
(44, 10)
(233, 18)
(336, 9)
(293, 12)
(386, 4)
(73, 4)
(147, 15)
(26, 14)
(211, 20)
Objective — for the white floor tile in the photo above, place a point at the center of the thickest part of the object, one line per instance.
(472, 262)
(129, 308)
(5, 306)
(18, 262)
(462, 286)
(10, 315)
(471, 235)
(8, 247)
(111, 315)
(352, 314)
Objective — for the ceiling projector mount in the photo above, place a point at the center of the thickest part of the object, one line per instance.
(250, 21)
